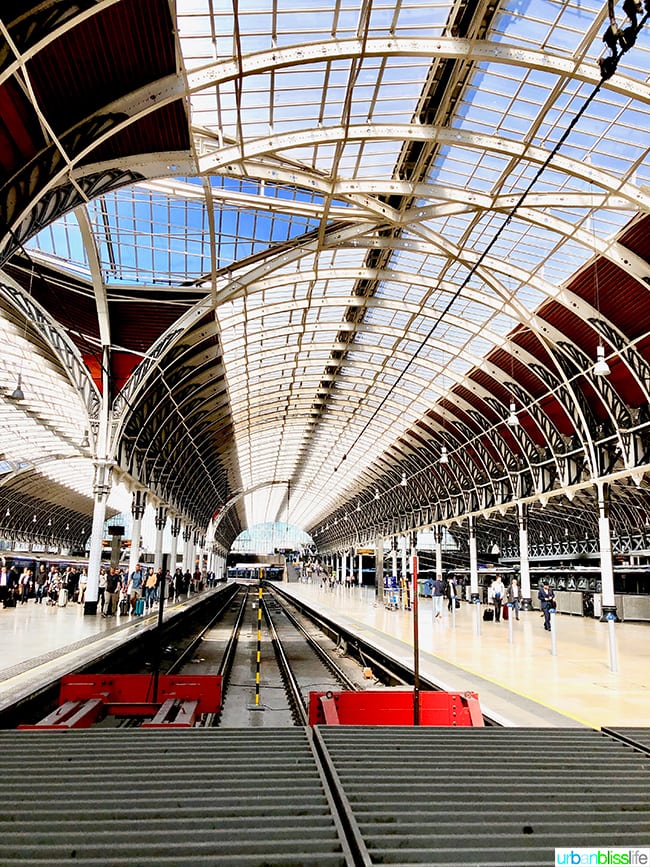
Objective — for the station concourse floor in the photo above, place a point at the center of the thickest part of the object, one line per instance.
(518, 684)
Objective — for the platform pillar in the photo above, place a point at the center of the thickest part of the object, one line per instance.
(175, 531)
(138, 505)
(524, 563)
(101, 490)
(161, 520)
(187, 539)
(606, 564)
(379, 569)
(438, 538)
(473, 560)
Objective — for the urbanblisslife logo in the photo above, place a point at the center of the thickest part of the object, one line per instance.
(603, 855)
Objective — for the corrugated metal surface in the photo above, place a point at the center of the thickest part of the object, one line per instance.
(489, 796)
(253, 797)
(231, 797)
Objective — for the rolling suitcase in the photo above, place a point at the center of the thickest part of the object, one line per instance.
(124, 605)
(62, 599)
(504, 611)
(488, 614)
(139, 606)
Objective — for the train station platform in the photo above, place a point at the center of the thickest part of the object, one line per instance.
(40, 643)
(519, 683)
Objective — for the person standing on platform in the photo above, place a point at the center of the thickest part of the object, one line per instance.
(546, 597)
(498, 593)
(136, 583)
(113, 586)
(451, 586)
(40, 583)
(513, 597)
(150, 589)
(101, 590)
(438, 592)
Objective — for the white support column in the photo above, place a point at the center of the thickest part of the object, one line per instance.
(606, 563)
(524, 564)
(360, 569)
(393, 557)
(138, 504)
(473, 560)
(195, 552)
(438, 537)
(101, 490)
(175, 531)
(161, 520)
(412, 559)
(379, 569)
(187, 539)
(405, 570)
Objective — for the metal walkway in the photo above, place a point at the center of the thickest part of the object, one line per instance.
(328, 796)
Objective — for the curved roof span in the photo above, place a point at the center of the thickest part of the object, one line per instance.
(348, 267)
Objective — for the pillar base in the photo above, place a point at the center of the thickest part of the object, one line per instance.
(607, 611)
(90, 607)
(526, 604)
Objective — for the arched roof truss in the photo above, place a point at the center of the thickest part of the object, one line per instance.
(315, 260)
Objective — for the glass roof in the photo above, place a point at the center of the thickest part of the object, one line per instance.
(321, 125)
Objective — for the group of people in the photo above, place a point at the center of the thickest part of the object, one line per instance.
(499, 595)
(118, 592)
(19, 585)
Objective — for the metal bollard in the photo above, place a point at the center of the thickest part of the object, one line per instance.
(477, 618)
(510, 636)
(613, 656)
(553, 633)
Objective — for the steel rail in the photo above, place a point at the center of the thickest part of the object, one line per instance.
(294, 692)
(322, 654)
(189, 650)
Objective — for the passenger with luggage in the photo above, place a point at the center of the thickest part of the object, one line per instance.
(136, 583)
(452, 595)
(496, 595)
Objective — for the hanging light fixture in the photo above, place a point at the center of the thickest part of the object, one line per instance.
(18, 393)
(85, 442)
(600, 368)
(512, 420)
(444, 457)
(403, 483)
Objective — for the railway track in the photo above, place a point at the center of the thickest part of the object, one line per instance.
(272, 689)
